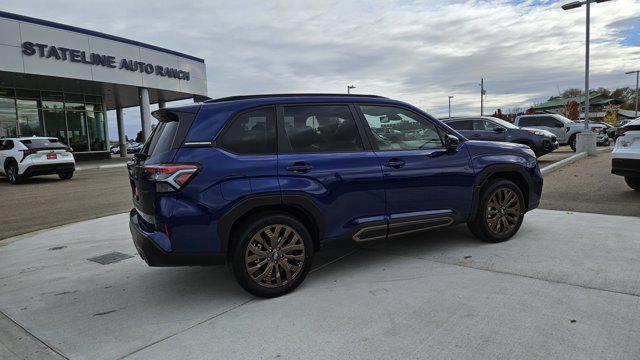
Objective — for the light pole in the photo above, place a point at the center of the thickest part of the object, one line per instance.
(588, 140)
(450, 97)
(637, 72)
(483, 92)
(349, 87)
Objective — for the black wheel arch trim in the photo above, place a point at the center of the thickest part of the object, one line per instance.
(245, 206)
(486, 173)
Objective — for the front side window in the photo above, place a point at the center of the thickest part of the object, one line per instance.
(484, 125)
(321, 129)
(549, 121)
(399, 129)
(252, 133)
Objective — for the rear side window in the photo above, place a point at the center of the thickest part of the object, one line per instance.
(169, 133)
(461, 125)
(321, 129)
(251, 133)
(529, 121)
(6, 145)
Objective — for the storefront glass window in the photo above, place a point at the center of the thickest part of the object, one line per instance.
(95, 121)
(29, 117)
(76, 122)
(75, 119)
(52, 105)
(55, 125)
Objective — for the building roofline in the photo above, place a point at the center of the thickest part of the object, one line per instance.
(56, 25)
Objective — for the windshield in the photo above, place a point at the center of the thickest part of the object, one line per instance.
(563, 119)
(504, 123)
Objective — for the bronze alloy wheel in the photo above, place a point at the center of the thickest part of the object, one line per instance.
(274, 255)
(503, 211)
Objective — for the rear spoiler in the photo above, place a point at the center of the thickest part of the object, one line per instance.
(175, 113)
(165, 115)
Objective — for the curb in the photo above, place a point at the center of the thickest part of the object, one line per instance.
(108, 166)
(564, 162)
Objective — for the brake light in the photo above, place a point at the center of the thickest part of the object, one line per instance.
(170, 177)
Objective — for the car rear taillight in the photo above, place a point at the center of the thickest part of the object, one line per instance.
(170, 177)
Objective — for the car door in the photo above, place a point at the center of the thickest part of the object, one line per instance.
(488, 130)
(554, 125)
(323, 157)
(425, 185)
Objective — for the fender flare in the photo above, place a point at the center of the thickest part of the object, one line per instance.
(487, 172)
(248, 204)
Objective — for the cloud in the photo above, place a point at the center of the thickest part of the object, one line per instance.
(416, 51)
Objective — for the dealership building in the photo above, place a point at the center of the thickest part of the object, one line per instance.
(59, 80)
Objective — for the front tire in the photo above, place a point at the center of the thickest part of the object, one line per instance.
(572, 142)
(500, 212)
(272, 254)
(633, 182)
(12, 173)
(66, 175)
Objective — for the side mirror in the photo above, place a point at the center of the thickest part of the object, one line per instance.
(451, 143)
(499, 130)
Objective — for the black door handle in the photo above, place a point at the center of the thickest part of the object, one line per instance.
(394, 163)
(300, 167)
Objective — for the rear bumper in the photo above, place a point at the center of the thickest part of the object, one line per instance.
(46, 169)
(154, 255)
(625, 167)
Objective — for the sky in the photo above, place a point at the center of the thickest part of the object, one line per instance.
(415, 51)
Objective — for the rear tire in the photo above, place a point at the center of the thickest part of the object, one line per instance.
(271, 254)
(12, 173)
(500, 212)
(633, 182)
(65, 175)
(572, 142)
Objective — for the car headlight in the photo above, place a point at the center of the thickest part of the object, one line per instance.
(536, 132)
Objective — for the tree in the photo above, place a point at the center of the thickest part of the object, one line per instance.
(571, 92)
(139, 137)
(498, 114)
(572, 110)
(603, 91)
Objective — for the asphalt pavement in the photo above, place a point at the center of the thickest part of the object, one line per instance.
(562, 288)
(45, 201)
(588, 186)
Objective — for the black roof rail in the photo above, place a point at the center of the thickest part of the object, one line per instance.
(260, 96)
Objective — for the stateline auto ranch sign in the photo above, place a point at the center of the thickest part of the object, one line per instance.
(78, 56)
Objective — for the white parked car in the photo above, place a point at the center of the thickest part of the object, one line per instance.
(30, 156)
(626, 154)
(564, 129)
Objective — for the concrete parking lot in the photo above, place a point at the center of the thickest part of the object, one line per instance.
(561, 289)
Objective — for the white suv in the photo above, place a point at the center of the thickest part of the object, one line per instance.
(29, 156)
(626, 154)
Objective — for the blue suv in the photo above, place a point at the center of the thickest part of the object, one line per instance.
(258, 182)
